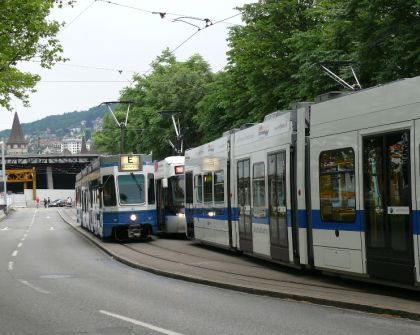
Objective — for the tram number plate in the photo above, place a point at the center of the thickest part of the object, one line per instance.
(399, 210)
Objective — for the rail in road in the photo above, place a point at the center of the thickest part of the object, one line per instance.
(189, 261)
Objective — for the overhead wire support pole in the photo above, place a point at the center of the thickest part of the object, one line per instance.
(121, 125)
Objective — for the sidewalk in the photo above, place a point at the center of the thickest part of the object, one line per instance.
(191, 261)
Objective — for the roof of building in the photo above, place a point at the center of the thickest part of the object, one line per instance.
(16, 135)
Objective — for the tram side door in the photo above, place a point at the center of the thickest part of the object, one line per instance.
(160, 205)
(189, 204)
(277, 207)
(244, 205)
(387, 206)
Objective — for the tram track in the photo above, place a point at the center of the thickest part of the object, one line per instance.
(103, 246)
(224, 271)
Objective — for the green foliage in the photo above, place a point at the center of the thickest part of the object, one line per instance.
(273, 62)
(25, 33)
(275, 56)
(171, 86)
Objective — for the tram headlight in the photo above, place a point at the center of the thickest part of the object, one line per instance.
(133, 217)
(180, 215)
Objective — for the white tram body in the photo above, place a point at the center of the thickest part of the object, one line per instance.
(331, 185)
(170, 195)
(115, 197)
(364, 157)
(243, 193)
(208, 207)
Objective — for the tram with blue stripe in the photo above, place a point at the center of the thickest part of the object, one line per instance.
(332, 185)
(115, 197)
(170, 195)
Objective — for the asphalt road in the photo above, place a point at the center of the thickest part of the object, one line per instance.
(53, 281)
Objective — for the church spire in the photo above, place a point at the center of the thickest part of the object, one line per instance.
(16, 142)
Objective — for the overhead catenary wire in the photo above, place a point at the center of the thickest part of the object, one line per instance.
(76, 17)
(119, 70)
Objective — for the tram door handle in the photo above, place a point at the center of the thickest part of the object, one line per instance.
(379, 210)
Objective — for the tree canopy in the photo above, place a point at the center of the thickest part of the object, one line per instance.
(171, 87)
(274, 61)
(25, 33)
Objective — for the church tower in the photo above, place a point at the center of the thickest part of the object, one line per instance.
(16, 144)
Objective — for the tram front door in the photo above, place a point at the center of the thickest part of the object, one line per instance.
(244, 206)
(387, 206)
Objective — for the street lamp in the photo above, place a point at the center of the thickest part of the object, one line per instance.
(3, 167)
(121, 125)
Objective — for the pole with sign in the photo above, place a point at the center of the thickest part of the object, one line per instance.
(3, 173)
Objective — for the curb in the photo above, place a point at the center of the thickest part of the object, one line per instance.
(250, 290)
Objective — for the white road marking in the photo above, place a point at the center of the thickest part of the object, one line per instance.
(139, 323)
(14, 253)
(36, 288)
(48, 217)
(25, 235)
(5, 228)
(51, 228)
(23, 239)
(10, 267)
(20, 244)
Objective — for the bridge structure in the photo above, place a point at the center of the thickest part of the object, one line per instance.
(53, 171)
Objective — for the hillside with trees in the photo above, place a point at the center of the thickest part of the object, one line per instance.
(60, 125)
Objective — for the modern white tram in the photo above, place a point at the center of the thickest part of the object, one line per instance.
(170, 195)
(115, 197)
(332, 185)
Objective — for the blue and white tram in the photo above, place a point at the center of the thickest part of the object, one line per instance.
(364, 157)
(243, 184)
(331, 185)
(170, 195)
(115, 197)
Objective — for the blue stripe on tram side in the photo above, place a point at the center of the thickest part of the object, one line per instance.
(317, 223)
(302, 218)
(416, 222)
(357, 225)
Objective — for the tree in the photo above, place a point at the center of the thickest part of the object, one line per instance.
(274, 58)
(25, 33)
(171, 86)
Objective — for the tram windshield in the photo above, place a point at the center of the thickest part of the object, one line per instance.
(131, 188)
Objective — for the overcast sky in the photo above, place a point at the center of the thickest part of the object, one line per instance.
(100, 38)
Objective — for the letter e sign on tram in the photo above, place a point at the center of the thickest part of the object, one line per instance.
(130, 163)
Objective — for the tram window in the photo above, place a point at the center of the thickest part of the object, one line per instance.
(176, 190)
(151, 188)
(337, 185)
(258, 189)
(131, 189)
(219, 186)
(208, 187)
(78, 196)
(108, 190)
(198, 185)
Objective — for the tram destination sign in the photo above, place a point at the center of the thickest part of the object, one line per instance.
(130, 163)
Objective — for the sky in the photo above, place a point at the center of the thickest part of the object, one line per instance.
(106, 42)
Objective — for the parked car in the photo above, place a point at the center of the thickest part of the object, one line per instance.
(58, 203)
